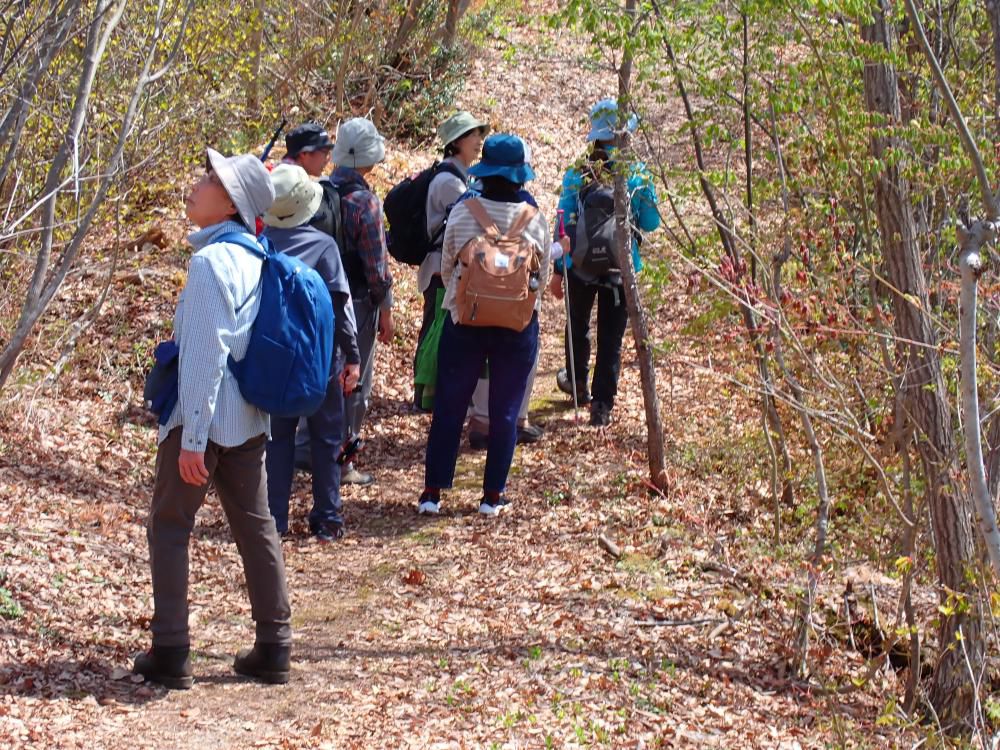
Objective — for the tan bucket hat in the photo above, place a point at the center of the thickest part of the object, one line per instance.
(296, 197)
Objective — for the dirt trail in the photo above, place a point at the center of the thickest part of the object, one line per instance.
(451, 632)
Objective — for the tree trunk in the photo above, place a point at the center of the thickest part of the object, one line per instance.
(633, 302)
(971, 265)
(925, 399)
(456, 9)
(993, 11)
(256, 47)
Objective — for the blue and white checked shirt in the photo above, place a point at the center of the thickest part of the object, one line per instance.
(214, 316)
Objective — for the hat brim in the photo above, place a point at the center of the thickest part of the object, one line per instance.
(605, 133)
(233, 185)
(465, 130)
(519, 174)
(311, 148)
(299, 217)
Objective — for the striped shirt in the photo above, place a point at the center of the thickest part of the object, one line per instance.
(215, 313)
(462, 228)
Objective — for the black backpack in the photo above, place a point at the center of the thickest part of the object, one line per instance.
(405, 210)
(328, 219)
(593, 252)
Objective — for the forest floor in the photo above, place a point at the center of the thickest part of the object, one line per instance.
(451, 632)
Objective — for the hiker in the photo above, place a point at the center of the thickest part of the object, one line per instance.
(213, 435)
(593, 273)
(357, 150)
(309, 147)
(477, 329)
(461, 136)
(479, 409)
(296, 199)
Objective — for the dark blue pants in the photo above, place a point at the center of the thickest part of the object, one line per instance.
(326, 434)
(463, 352)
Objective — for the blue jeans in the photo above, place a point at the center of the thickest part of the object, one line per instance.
(326, 433)
(463, 352)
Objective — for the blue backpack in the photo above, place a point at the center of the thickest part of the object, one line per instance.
(287, 365)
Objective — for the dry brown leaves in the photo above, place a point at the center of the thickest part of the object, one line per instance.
(455, 632)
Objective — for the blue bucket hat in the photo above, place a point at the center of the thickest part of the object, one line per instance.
(604, 121)
(504, 156)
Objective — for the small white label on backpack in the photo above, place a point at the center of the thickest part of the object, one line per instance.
(502, 261)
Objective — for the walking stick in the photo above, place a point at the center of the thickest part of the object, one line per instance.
(569, 325)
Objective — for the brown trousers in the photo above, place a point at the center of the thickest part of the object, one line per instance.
(241, 484)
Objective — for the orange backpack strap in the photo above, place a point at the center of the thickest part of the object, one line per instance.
(521, 222)
(481, 216)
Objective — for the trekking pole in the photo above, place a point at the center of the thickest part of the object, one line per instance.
(274, 138)
(569, 325)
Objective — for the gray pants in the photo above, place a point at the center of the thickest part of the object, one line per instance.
(479, 409)
(241, 484)
(356, 404)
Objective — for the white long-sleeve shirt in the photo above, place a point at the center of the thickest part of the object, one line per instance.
(462, 227)
(443, 192)
(214, 316)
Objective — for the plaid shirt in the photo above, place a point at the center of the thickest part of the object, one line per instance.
(364, 234)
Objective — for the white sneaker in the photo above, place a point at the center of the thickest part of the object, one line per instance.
(493, 509)
(429, 506)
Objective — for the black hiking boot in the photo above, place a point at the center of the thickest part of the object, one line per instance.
(600, 414)
(169, 666)
(267, 662)
(566, 386)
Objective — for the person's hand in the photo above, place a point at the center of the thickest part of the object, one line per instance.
(385, 326)
(349, 377)
(192, 467)
(556, 285)
(564, 241)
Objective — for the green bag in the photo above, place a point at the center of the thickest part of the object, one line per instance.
(427, 354)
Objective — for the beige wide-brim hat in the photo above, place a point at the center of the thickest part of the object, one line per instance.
(246, 181)
(459, 124)
(296, 197)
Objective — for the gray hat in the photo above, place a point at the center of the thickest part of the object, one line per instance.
(358, 144)
(296, 197)
(246, 181)
(458, 125)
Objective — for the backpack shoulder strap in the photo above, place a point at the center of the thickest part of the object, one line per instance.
(482, 217)
(521, 222)
(444, 166)
(260, 246)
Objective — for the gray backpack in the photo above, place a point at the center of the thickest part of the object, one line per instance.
(593, 251)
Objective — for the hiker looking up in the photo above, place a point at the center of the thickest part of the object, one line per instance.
(498, 325)
(309, 147)
(358, 148)
(296, 198)
(214, 436)
(462, 138)
(587, 200)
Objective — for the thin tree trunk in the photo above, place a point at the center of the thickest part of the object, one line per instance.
(633, 301)
(256, 48)
(993, 11)
(971, 265)
(456, 9)
(925, 397)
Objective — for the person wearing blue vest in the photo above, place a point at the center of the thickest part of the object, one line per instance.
(296, 199)
(606, 289)
(214, 436)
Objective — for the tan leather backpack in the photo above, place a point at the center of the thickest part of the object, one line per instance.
(499, 282)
